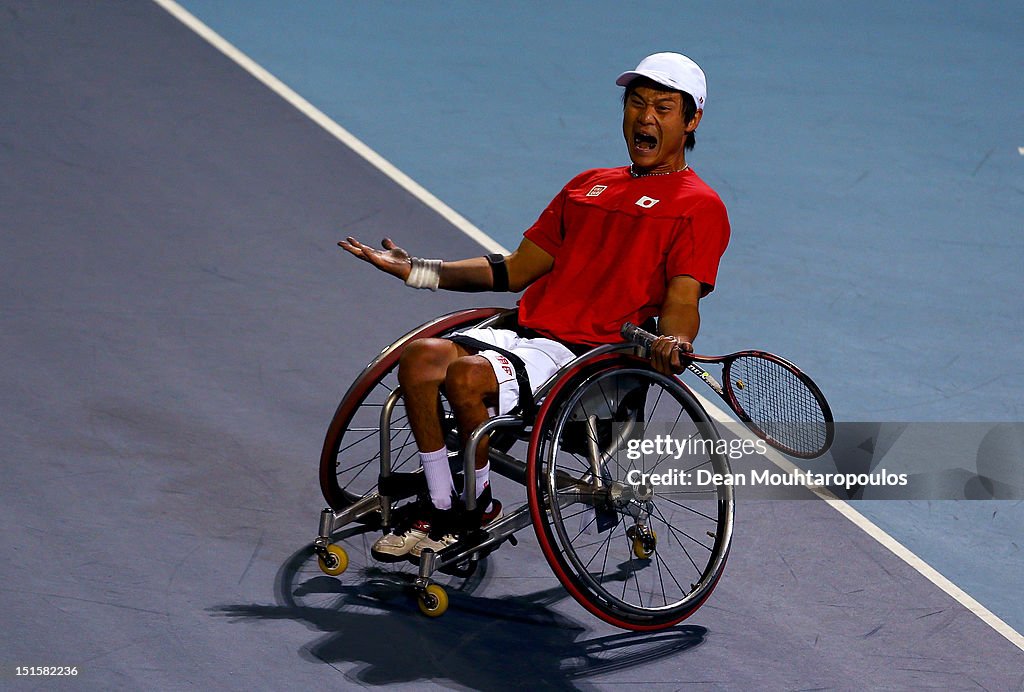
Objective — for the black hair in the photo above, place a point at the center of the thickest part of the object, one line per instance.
(689, 105)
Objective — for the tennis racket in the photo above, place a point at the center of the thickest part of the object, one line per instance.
(773, 397)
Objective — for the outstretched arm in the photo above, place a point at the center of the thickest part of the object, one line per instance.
(527, 264)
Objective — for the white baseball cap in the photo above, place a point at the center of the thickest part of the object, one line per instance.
(672, 70)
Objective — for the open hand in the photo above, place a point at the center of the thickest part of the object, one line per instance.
(392, 259)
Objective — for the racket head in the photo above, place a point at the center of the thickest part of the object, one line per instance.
(779, 403)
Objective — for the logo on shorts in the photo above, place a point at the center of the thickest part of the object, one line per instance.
(505, 365)
(596, 190)
(647, 202)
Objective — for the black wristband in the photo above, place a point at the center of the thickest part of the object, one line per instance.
(499, 272)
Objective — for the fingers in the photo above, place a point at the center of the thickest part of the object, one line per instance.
(393, 249)
(352, 245)
(666, 354)
(363, 252)
(663, 350)
(392, 260)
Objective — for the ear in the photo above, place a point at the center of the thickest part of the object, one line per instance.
(692, 125)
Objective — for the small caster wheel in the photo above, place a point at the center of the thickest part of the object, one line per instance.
(433, 601)
(645, 541)
(336, 561)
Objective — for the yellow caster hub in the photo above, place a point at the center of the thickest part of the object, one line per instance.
(433, 601)
(336, 561)
(643, 547)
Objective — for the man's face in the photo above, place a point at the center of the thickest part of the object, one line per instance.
(654, 128)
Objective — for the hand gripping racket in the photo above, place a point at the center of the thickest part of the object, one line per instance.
(775, 399)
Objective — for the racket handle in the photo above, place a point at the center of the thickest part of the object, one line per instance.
(642, 337)
(631, 332)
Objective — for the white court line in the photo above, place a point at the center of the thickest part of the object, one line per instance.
(872, 529)
(343, 135)
(460, 222)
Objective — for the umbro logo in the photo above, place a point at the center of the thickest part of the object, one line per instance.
(647, 202)
(596, 190)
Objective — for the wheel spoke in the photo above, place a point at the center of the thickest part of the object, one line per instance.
(686, 507)
(653, 587)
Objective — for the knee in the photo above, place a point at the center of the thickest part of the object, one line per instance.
(468, 380)
(423, 361)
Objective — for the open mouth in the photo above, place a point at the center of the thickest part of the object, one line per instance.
(644, 142)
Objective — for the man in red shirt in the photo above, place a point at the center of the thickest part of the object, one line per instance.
(615, 245)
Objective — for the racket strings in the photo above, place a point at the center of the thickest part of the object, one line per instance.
(779, 403)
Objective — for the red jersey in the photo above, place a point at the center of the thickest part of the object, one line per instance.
(617, 241)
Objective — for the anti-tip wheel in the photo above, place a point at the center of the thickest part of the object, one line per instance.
(336, 561)
(433, 601)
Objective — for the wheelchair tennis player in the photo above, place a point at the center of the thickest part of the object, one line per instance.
(616, 245)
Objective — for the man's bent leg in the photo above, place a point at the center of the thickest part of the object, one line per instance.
(469, 384)
(421, 372)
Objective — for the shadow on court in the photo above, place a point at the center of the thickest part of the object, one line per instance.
(372, 622)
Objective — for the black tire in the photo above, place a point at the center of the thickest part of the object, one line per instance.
(596, 538)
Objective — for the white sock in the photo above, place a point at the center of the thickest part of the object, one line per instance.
(439, 477)
(483, 478)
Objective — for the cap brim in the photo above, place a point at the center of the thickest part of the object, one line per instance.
(653, 75)
(626, 77)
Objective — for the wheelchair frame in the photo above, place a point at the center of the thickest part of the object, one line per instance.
(553, 486)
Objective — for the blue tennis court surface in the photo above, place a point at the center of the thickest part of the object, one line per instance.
(176, 326)
(867, 154)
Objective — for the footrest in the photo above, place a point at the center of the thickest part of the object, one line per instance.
(399, 486)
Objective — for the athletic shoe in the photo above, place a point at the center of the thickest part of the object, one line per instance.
(436, 544)
(491, 514)
(394, 545)
(449, 524)
(487, 510)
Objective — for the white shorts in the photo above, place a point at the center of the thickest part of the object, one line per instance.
(543, 357)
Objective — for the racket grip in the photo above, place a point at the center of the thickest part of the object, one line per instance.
(633, 333)
(644, 339)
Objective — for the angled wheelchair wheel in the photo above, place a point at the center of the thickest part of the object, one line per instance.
(350, 462)
(638, 534)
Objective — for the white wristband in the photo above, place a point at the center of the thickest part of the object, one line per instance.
(425, 273)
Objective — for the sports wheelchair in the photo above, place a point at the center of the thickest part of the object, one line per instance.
(639, 554)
